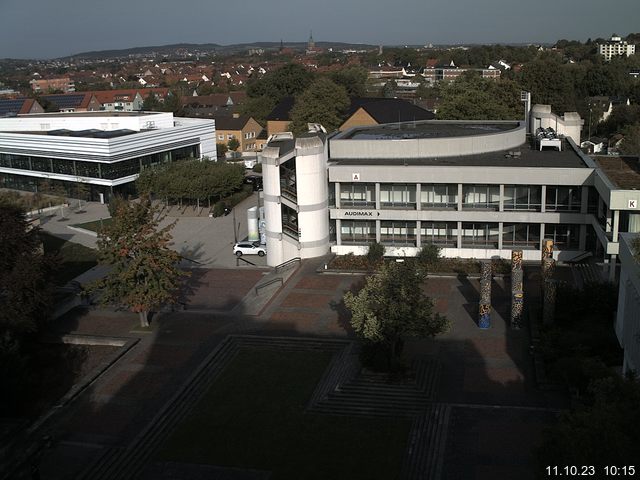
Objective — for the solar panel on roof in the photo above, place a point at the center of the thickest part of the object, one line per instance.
(65, 101)
(10, 106)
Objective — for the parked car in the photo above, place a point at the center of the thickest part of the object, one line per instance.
(249, 248)
(254, 180)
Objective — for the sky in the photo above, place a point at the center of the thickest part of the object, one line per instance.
(56, 28)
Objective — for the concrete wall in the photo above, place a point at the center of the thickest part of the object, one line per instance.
(627, 324)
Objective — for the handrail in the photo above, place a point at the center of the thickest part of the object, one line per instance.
(274, 280)
(285, 265)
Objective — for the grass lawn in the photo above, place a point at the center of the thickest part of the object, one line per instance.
(95, 225)
(74, 258)
(253, 417)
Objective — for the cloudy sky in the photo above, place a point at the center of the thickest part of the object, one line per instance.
(54, 28)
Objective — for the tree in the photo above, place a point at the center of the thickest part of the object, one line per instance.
(631, 142)
(258, 108)
(392, 306)
(221, 149)
(353, 79)
(151, 103)
(375, 254)
(233, 144)
(144, 271)
(471, 97)
(287, 81)
(323, 102)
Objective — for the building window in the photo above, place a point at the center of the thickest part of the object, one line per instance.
(398, 233)
(360, 195)
(565, 237)
(480, 235)
(522, 197)
(563, 199)
(398, 195)
(41, 164)
(88, 169)
(220, 137)
(230, 137)
(481, 197)
(443, 234)
(357, 232)
(521, 235)
(290, 222)
(438, 196)
(65, 167)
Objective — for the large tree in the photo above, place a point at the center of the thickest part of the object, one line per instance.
(323, 102)
(473, 98)
(392, 306)
(286, 81)
(631, 142)
(144, 273)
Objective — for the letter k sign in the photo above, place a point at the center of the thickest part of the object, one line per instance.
(633, 204)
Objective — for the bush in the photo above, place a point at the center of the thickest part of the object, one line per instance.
(429, 254)
(375, 255)
(350, 262)
(257, 168)
(218, 209)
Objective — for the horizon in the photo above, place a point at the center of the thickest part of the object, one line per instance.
(67, 28)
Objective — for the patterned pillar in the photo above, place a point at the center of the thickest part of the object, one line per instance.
(517, 298)
(516, 260)
(484, 320)
(547, 248)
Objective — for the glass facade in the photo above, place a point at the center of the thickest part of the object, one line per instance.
(398, 195)
(435, 196)
(103, 170)
(357, 232)
(565, 237)
(481, 197)
(443, 234)
(563, 199)
(362, 195)
(398, 233)
(523, 197)
(521, 235)
(480, 235)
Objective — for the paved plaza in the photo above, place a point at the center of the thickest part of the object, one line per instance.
(481, 382)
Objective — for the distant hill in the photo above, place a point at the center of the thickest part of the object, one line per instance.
(213, 47)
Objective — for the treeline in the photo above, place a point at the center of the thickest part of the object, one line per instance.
(194, 181)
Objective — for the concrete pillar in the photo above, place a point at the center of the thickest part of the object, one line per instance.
(616, 224)
(338, 232)
(584, 200)
(459, 235)
(459, 198)
(418, 235)
(543, 199)
(377, 194)
(377, 230)
(418, 196)
(541, 235)
(501, 199)
(337, 194)
(500, 227)
(609, 223)
(612, 268)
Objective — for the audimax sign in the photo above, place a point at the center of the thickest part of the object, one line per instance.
(360, 213)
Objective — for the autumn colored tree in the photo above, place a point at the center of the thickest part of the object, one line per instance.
(144, 274)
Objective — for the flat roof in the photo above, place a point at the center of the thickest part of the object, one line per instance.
(624, 172)
(427, 129)
(528, 157)
(99, 113)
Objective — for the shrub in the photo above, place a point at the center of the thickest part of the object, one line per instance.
(218, 209)
(375, 254)
(429, 254)
(257, 168)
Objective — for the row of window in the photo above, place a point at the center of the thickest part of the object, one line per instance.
(108, 171)
(445, 196)
(445, 234)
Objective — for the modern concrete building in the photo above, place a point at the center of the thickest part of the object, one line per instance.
(614, 47)
(628, 314)
(476, 189)
(103, 150)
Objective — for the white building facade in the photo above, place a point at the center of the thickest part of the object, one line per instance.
(106, 151)
(616, 47)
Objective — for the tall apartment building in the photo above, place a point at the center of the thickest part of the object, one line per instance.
(64, 84)
(616, 47)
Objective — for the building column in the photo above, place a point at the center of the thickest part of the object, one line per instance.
(501, 199)
(609, 221)
(616, 224)
(500, 226)
(612, 268)
(459, 235)
(543, 199)
(459, 198)
(377, 194)
(584, 200)
(338, 231)
(378, 231)
(582, 239)
(418, 236)
(337, 195)
(418, 194)
(542, 235)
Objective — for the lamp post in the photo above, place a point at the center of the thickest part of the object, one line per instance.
(235, 232)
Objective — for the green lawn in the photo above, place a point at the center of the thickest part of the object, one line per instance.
(74, 258)
(95, 225)
(253, 417)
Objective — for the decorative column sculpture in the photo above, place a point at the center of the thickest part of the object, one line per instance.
(485, 296)
(517, 289)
